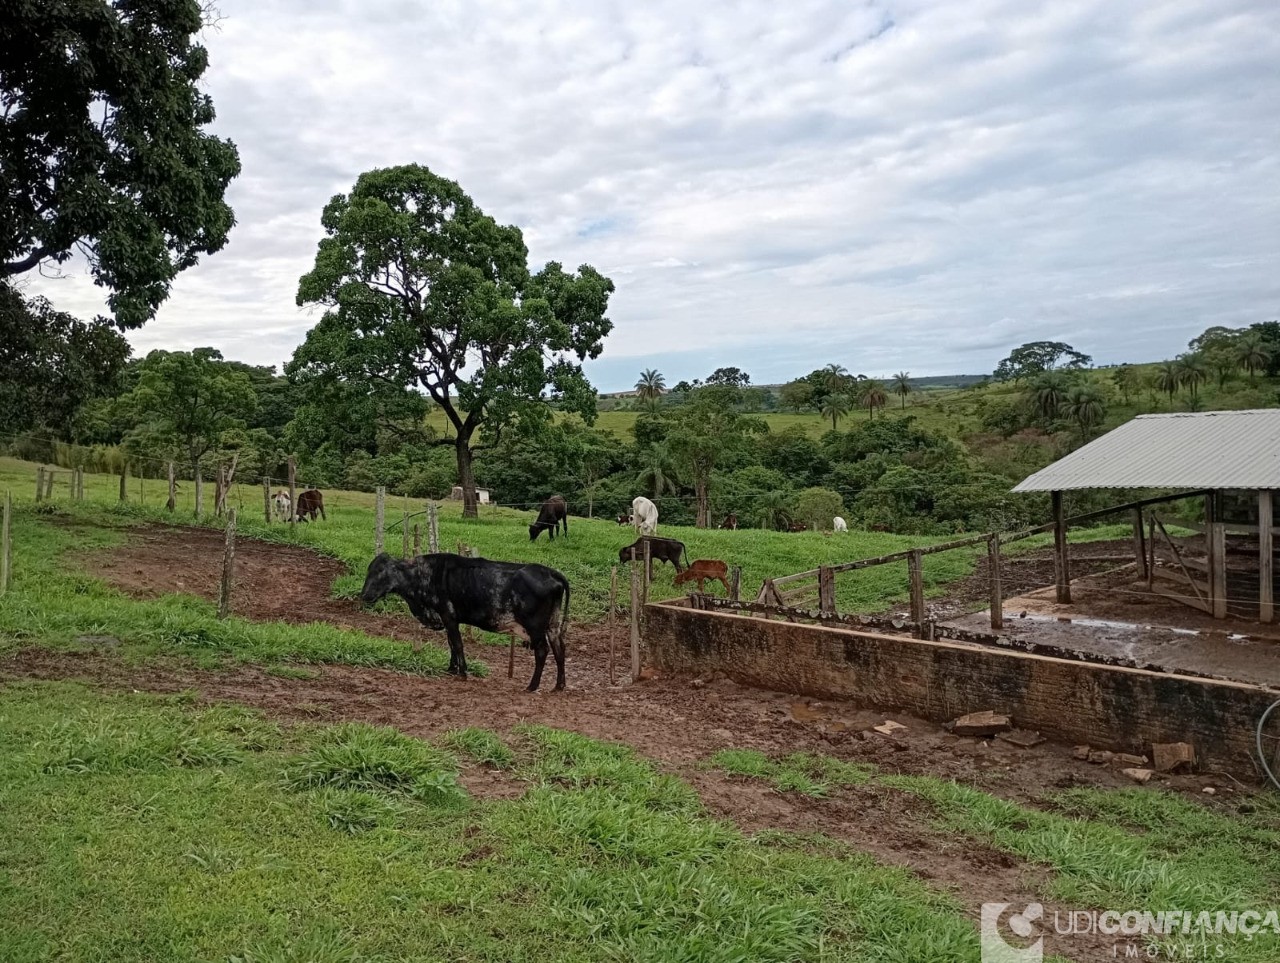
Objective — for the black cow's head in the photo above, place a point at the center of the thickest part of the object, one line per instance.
(534, 529)
(385, 575)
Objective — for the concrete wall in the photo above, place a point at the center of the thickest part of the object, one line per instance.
(1108, 707)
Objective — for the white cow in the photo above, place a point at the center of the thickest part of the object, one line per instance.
(838, 524)
(644, 516)
(282, 506)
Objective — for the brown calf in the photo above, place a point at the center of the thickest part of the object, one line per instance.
(705, 570)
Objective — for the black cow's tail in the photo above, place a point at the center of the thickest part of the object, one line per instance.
(564, 618)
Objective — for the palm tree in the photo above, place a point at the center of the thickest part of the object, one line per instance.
(873, 397)
(1252, 353)
(775, 509)
(1168, 379)
(658, 472)
(651, 386)
(1048, 392)
(1192, 372)
(902, 386)
(1083, 406)
(835, 406)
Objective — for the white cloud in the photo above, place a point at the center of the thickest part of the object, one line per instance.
(897, 185)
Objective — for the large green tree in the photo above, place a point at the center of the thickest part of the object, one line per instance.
(104, 148)
(185, 401)
(52, 363)
(424, 290)
(709, 431)
(1036, 357)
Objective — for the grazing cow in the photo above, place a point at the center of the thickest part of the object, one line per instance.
(660, 550)
(310, 503)
(730, 521)
(838, 524)
(554, 513)
(281, 501)
(644, 515)
(705, 570)
(797, 527)
(445, 591)
(624, 519)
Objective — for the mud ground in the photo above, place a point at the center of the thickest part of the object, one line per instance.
(678, 722)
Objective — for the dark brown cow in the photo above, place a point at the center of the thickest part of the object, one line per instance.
(554, 513)
(310, 504)
(730, 521)
(660, 550)
(797, 527)
(705, 570)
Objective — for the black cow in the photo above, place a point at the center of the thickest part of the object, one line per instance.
(445, 591)
(660, 550)
(554, 512)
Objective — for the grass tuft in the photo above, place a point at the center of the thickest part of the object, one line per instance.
(809, 773)
(482, 746)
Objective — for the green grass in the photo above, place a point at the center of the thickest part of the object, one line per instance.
(235, 857)
(53, 605)
(809, 773)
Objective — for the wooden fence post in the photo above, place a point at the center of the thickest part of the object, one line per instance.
(293, 492)
(826, 590)
(915, 575)
(266, 499)
(433, 528)
(1266, 557)
(997, 593)
(1139, 544)
(39, 484)
(142, 498)
(635, 618)
(173, 490)
(648, 574)
(1061, 553)
(48, 484)
(6, 543)
(417, 541)
(124, 482)
(735, 583)
(613, 605)
(199, 483)
(1151, 552)
(228, 567)
(380, 508)
(404, 535)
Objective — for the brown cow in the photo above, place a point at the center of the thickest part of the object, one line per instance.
(730, 522)
(705, 570)
(310, 504)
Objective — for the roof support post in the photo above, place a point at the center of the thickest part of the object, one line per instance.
(1266, 554)
(1216, 537)
(1061, 554)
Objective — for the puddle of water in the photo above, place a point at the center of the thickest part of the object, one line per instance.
(1108, 624)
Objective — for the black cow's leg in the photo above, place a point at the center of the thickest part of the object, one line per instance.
(538, 642)
(457, 654)
(557, 649)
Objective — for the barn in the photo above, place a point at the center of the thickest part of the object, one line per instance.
(1224, 467)
(482, 494)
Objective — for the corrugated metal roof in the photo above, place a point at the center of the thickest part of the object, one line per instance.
(1204, 449)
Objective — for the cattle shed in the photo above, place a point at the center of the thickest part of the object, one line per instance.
(1228, 460)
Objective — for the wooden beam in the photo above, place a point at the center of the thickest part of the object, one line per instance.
(1217, 558)
(1266, 555)
(826, 591)
(1139, 543)
(1208, 607)
(915, 571)
(1061, 554)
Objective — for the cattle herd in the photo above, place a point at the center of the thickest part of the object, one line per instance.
(310, 504)
(445, 591)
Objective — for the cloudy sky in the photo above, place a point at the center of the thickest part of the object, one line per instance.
(889, 185)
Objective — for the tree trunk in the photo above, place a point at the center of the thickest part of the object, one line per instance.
(467, 478)
(704, 506)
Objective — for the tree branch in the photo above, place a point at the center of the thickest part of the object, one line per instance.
(26, 264)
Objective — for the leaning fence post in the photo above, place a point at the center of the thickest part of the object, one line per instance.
(997, 592)
(404, 535)
(6, 543)
(173, 490)
(39, 484)
(48, 484)
(380, 508)
(613, 604)
(228, 567)
(635, 618)
(916, 578)
(124, 482)
(433, 530)
(266, 499)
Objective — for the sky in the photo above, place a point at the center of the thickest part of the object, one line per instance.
(886, 185)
